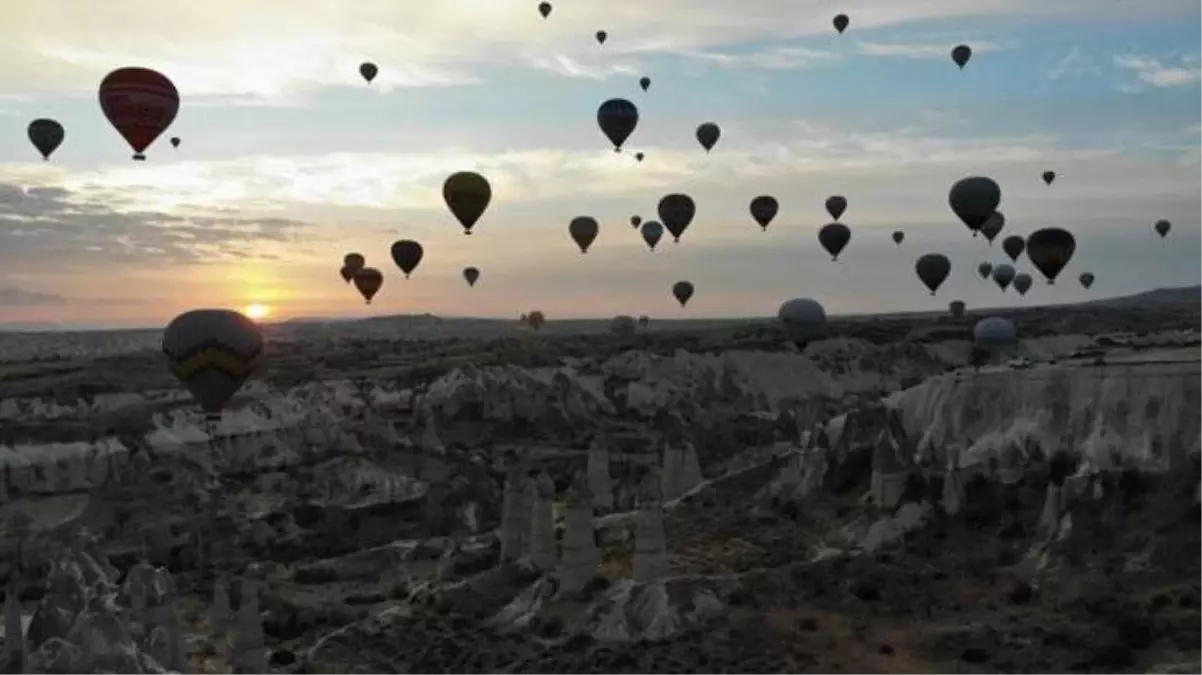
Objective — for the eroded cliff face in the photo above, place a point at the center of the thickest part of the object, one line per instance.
(1141, 415)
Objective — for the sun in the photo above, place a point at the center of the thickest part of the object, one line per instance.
(258, 311)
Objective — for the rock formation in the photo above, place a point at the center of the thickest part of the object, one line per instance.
(540, 494)
(580, 559)
(650, 542)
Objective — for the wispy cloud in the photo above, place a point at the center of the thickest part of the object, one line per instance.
(771, 58)
(562, 64)
(1152, 72)
(921, 50)
(19, 297)
(1073, 64)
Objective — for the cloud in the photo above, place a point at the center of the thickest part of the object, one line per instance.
(16, 297)
(567, 66)
(1151, 71)
(772, 58)
(1073, 64)
(54, 225)
(922, 50)
(268, 49)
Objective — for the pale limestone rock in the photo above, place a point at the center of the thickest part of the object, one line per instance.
(515, 515)
(650, 547)
(541, 493)
(580, 558)
(599, 482)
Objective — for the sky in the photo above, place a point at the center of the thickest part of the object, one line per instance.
(289, 159)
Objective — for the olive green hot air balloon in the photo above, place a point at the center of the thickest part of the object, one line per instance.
(407, 254)
(467, 195)
(1003, 276)
(1049, 250)
(974, 200)
(932, 270)
(834, 238)
(676, 212)
(583, 231)
(1022, 283)
(212, 352)
(763, 209)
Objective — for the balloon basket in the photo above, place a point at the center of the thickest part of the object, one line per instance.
(139, 157)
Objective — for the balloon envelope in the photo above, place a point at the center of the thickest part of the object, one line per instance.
(974, 200)
(985, 269)
(46, 135)
(407, 254)
(140, 103)
(683, 290)
(994, 331)
(471, 274)
(212, 352)
(623, 325)
(834, 238)
(993, 226)
(932, 270)
(1050, 249)
(676, 212)
(708, 135)
(841, 21)
(368, 282)
(355, 261)
(1086, 279)
(1022, 283)
(802, 318)
(368, 70)
(1162, 227)
(467, 195)
(617, 118)
(956, 308)
(836, 205)
(763, 209)
(1014, 246)
(583, 230)
(652, 233)
(1003, 276)
(961, 54)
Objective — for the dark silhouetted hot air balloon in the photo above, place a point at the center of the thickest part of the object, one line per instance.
(212, 352)
(617, 118)
(1049, 176)
(467, 195)
(676, 211)
(834, 238)
(407, 254)
(470, 275)
(638, 156)
(956, 308)
(368, 280)
(802, 318)
(898, 237)
(932, 270)
(652, 233)
(623, 325)
(985, 269)
(764, 209)
(974, 200)
(836, 205)
(682, 290)
(1162, 227)
(1022, 283)
(544, 8)
(645, 83)
(994, 331)
(1014, 246)
(601, 36)
(1003, 276)
(536, 319)
(961, 54)
(635, 221)
(708, 134)
(1049, 250)
(355, 261)
(583, 230)
(1086, 280)
(368, 70)
(175, 141)
(993, 226)
(140, 104)
(46, 135)
(346, 273)
(841, 21)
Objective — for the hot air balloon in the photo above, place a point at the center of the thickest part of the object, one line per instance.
(645, 83)
(623, 325)
(140, 104)
(1162, 227)
(683, 290)
(708, 135)
(763, 210)
(994, 331)
(1049, 250)
(644, 320)
(638, 156)
(467, 195)
(407, 254)
(536, 319)
(993, 226)
(676, 211)
(368, 70)
(956, 308)
(898, 237)
(212, 352)
(1003, 276)
(932, 270)
(802, 319)
(368, 281)
(583, 230)
(601, 36)
(346, 273)
(1014, 246)
(1086, 280)
(46, 135)
(652, 233)
(635, 221)
(985, 269)
(470, 275)
(841, 21)
(961, 54)
(544, 8)
(836, 205)
(974, 200)
(617, 118)
(1049, 176)
(1022, 283)
(834, 238)
(175, 141)
(355, 261)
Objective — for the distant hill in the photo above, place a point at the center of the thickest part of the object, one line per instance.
(1158, 298)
